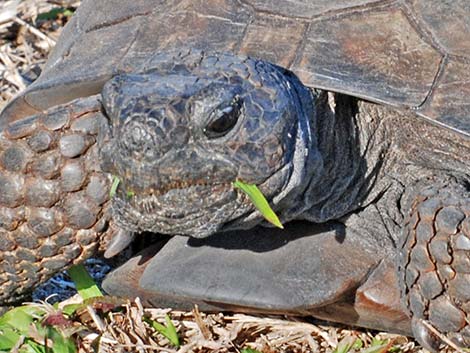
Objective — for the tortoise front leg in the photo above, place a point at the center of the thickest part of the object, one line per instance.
(434, 266)
(53, 196)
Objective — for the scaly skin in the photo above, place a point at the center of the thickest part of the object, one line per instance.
(189, 127)
(53, 195)
(434, 264)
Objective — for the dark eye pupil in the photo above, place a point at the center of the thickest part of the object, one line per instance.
(223, 121)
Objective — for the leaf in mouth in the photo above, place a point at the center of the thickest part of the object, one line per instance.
(259, 201)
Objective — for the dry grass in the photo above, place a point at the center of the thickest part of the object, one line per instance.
(24, 44)
(207, 333)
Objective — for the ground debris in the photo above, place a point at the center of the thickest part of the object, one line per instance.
(125, 330)
(29, 29)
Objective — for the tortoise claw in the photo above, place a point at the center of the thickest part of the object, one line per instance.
(424, 335)
(118, 243)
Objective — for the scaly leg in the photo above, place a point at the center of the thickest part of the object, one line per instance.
(434, 266)
(53, 195)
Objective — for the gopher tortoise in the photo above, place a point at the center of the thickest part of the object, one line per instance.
(351, 116)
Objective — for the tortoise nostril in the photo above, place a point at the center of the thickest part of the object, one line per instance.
(137, 137)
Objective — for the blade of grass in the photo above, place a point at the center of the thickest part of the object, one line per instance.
(34, 347)
(172, 335)
(169, 331)
(378, 346)
(60, 344)
(345, 345)
(259, 201)
(114, 186)
(54, 14)
(377, 349)
(358, 344)
(85, 285)
(70, 309)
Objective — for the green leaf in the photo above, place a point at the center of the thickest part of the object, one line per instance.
(378, 346)
(85, 285)
(358, 344)
(114, 186)
(33, 347)
(378, 342)
(70, 309)
(169, 331)
(172, 335)
(259, 201)
(20, 318)
(345, 345)
(249, 350)
(16, 323)
(8, 338)
(60, 343)
(54, 13)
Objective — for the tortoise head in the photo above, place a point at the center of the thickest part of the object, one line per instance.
(184, 130)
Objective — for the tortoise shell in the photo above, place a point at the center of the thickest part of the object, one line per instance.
(410, 54)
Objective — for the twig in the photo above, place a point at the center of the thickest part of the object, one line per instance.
(442, 337)
(96, 319)
(35, 31)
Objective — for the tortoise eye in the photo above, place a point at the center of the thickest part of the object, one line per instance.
(223, 120)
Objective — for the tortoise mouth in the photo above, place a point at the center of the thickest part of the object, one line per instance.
(177, 199)
(195, 208)
(174, 186)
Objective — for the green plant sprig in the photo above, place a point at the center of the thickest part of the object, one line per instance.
(259, 201)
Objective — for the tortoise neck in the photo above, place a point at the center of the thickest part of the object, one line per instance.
(351, 162)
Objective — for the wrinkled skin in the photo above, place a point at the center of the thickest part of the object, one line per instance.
(181, 135)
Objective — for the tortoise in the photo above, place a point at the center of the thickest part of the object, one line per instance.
(352, 117)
